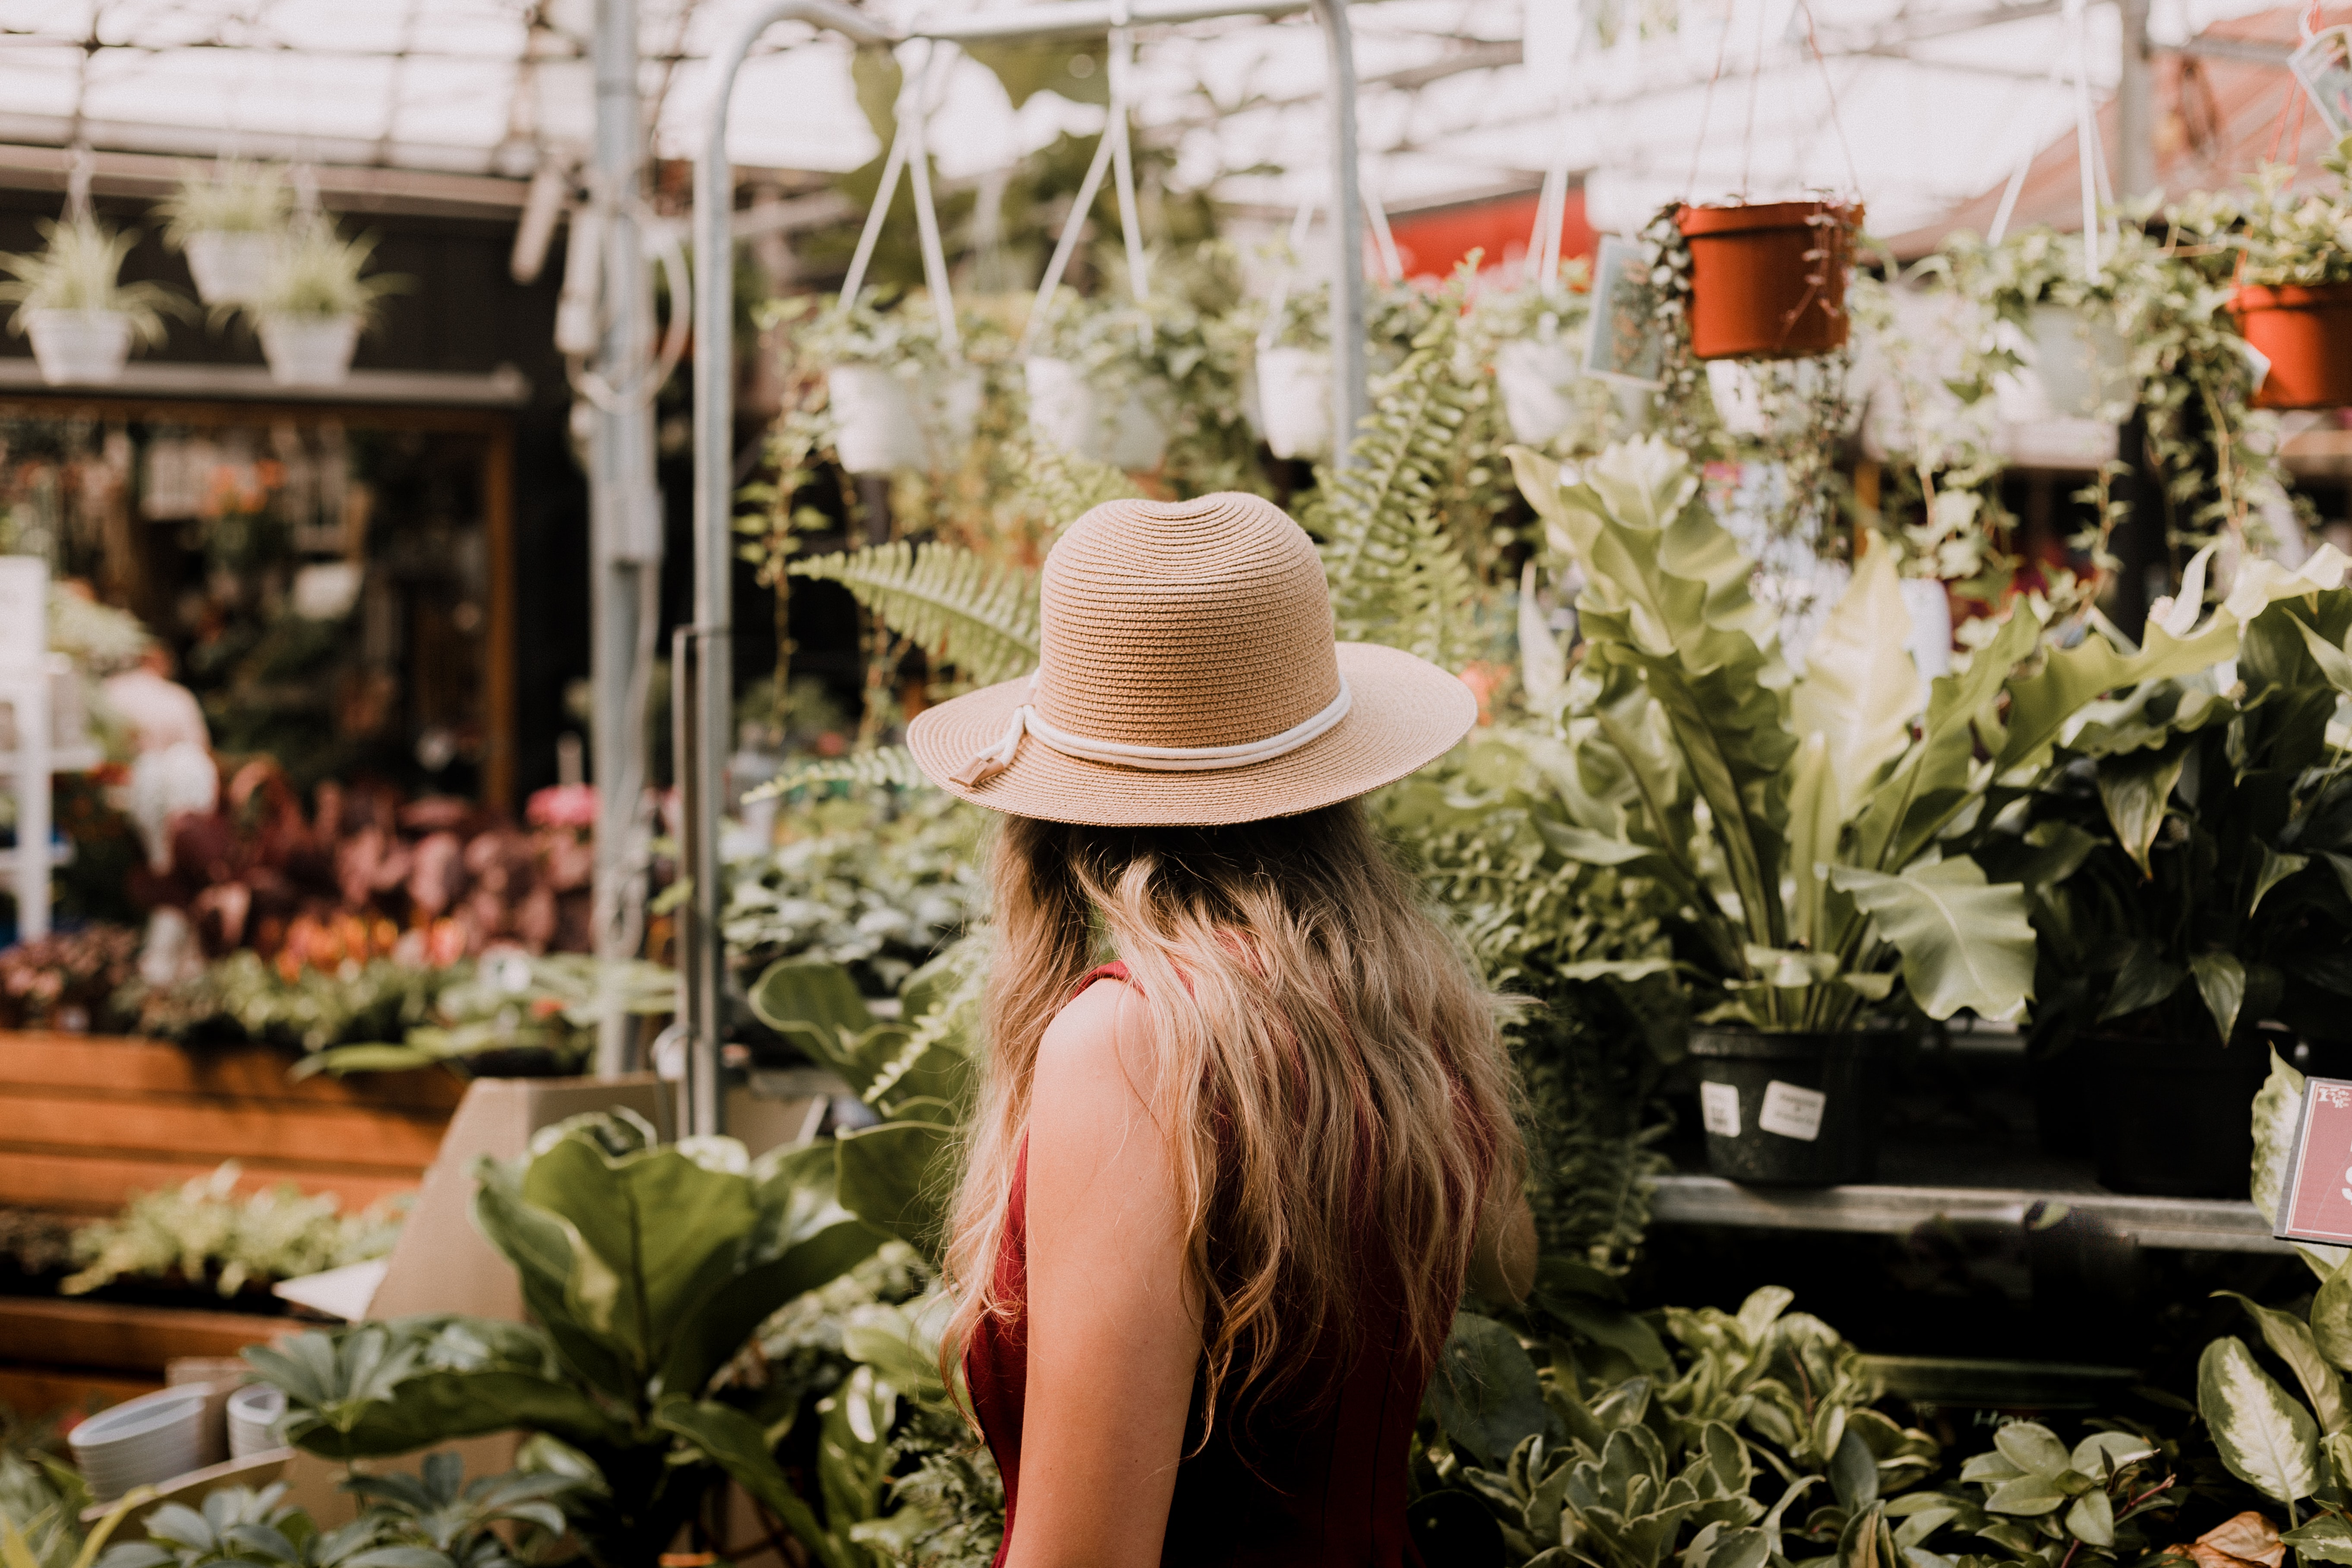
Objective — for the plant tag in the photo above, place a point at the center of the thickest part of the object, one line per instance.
(2316, 1205)
(1791, 1111)
(1625, 344)
(1718, 1107)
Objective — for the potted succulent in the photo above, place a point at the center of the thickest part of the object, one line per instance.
(897, 398)
(312, 303)
(71, 300)
(229, 223)
(2203, 826)
(1768, 280)
(1807, 823)
(2294, 295)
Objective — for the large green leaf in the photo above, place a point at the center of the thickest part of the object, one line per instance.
(659, 1233)
(894, 1177)
(733, 1441)
(1859, 690)
(1486, 1393)
(2222, 984)
(2135, 788)
(1964, 943)
(2266, 1438)
(2292, 1342)
(2331, 1317)
(1938, 776)
(2040, 705)
(818, 1006)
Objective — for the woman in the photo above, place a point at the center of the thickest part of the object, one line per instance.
(1222, 1194)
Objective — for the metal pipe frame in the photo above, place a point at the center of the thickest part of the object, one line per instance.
(702, 951)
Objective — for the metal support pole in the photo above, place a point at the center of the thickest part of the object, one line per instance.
(1351, 393)
(625, 509)
(703, 954)
(2135, 107)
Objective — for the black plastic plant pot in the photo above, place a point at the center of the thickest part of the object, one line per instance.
(1792, 1111)
(2172, 1116)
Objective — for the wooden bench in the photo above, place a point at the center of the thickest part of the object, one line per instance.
(85, 1120)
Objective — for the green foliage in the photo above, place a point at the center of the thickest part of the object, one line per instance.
(319, 273)
(2283, 236)
(378, 1000)
(646, 1268)
(1397, 574)
(878, 885)
(2034, 1501)
(432, 1520)
(2186, 852)
(955, 607)
(228, 197)
(516, 1009)
(202, 1234)
(80, 268)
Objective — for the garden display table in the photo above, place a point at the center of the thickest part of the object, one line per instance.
(85, 1120)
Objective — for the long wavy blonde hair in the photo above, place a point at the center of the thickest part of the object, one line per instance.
(1327, 1067)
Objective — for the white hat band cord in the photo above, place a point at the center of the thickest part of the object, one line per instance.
(987, 764)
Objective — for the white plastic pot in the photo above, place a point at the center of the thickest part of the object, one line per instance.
(310, 351)
(876, 425)
(79, 348)
(230, 265)
(254, 1413)
(141, 1441)
(1534, 374)
(954, 396)
(1294, 401)
(1066, 414)
(2081, 361)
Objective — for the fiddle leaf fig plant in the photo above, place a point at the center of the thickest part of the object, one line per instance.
(647, 1267)
(1813, 825)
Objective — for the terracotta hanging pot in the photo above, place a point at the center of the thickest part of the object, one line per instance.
(1767, 281)
(2307, 335)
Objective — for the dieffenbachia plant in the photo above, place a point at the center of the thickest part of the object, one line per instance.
(1813, 825)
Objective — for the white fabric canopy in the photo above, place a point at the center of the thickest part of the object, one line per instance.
(1916, 105)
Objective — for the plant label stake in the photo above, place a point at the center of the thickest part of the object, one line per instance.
(2317, 1202)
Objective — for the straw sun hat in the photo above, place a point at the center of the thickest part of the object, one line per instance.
(1189, 679)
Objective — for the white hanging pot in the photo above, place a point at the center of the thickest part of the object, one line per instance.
(1930, 642)
(954, 395)
(1294, 401)
(2081, 361)
(1066, 412)
(79, 348)
(876, 426)
(1534, 374)
(310, 351)
(230, 265)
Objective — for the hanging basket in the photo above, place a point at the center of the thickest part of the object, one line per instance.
(2082, 362)
(1767, 281)
(1294, 401)
(79, 348)
(231, 265)
(1066, 414)
(954, 396)
(1533, 375)
(2307, 335)
(310, 351)
(876, 426)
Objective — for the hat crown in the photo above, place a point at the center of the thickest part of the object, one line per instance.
(1199, 623)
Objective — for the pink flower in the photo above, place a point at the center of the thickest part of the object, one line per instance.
(564, 805)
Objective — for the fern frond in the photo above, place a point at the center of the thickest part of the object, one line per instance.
(946, 601)
(886, 765)
(1065, 486)
(1396, 575)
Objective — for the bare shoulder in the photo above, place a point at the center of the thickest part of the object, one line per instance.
(1096, 1048)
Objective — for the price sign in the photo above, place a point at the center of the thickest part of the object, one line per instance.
(2317, 1202)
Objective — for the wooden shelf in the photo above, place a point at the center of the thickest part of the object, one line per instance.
(505, 387)
(110, 1336)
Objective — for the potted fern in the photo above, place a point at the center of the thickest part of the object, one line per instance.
(229, 223)
(71, 300)
(2294, 295)
(312, 303)
(1812, 827)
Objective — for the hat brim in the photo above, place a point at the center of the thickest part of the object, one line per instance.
(1403, 713)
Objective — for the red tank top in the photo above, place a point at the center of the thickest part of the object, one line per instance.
(1319, 1485)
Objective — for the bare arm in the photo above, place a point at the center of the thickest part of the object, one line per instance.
(1503, 1263)
(1114, 1328)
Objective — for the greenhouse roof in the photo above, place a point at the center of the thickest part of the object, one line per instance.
(1917, 105)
